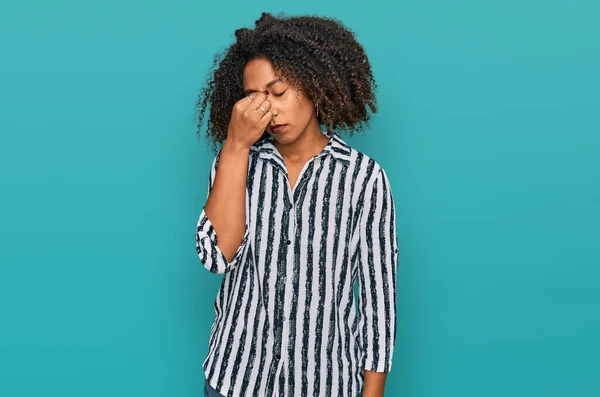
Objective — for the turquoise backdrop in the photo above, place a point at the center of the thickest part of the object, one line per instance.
(489, 130)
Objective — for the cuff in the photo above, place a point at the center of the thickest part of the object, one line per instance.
(208, 250)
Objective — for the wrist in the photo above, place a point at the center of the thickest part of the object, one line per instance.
(232, 145)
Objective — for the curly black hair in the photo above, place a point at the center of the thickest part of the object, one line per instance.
(318, 56)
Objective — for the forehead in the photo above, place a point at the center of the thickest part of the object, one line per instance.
(258, 73)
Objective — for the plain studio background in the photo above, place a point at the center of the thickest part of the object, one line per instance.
(488, 128)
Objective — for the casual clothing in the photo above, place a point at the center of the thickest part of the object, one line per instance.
(286, 320)
(209, 391)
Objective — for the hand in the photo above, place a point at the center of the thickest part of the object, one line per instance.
(248, 120)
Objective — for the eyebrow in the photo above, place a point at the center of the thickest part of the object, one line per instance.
(250, 91)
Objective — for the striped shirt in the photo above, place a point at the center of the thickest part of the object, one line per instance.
(286, 319)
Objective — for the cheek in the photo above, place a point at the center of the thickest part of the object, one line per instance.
(296, 108)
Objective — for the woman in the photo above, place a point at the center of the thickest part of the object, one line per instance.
(295, 217)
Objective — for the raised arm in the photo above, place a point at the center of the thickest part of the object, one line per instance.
(222, 230)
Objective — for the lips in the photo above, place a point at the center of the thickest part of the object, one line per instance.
(277, 129)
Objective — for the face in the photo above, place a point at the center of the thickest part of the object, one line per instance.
(288, 105)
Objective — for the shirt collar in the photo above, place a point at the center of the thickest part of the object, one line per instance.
(336, 147)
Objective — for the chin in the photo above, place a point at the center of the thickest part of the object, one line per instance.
(284, 138)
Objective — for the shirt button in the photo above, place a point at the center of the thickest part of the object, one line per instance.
(283, 318)
(288, 242)
(278, 356)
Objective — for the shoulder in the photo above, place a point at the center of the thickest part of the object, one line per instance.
(363, 166)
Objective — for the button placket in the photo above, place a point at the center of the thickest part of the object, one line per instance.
(289, 275)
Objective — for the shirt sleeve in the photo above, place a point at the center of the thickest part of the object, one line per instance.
(377, 267)
(209, 252)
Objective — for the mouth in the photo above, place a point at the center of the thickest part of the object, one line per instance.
(278, 129)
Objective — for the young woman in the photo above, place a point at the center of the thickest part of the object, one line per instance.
(295, 217)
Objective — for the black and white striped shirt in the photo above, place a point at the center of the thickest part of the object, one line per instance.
(286, 320)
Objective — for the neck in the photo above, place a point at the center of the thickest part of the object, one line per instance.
(310, 143)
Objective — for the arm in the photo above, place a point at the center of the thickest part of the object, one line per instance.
(378, 259)
(224, 213)
(374, 384)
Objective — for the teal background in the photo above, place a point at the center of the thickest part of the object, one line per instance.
(488, 129)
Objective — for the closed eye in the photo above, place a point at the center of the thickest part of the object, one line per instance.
(278, 95)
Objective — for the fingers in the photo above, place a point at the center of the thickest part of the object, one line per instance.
(266, 119)
(264, 106)
(256, 107)
(256, 99)
(264, 113)
(250, 101)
